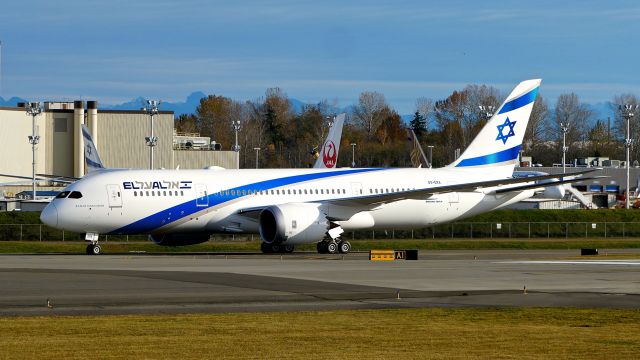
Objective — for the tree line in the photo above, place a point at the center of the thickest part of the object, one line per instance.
(287, 138)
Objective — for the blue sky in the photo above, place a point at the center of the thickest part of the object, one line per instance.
(117, 50)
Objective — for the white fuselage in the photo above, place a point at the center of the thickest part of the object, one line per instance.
(173, 201)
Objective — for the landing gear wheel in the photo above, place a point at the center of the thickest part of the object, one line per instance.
(344, 247)
(288, 248)
(332, 247)
(322, 247)
(265, 248)
(93, 249)
(276, 248)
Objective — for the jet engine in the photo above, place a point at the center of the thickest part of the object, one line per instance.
(554, 192)
(179, 239)
(293, 224)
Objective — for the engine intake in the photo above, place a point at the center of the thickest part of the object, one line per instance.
(293, 224)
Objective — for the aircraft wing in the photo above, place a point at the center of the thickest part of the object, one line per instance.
(554, 183)
(473, 186)
(364, 202)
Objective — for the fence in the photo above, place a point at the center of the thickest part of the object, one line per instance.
(460, 230)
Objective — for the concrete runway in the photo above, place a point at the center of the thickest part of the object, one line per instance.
(131, 284)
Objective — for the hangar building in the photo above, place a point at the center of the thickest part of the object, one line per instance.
(119, 136)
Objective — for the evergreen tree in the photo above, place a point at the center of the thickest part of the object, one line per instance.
(418, 124)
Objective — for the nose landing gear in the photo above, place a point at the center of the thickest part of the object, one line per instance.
(93, 248)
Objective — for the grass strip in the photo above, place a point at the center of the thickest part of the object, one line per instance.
(42, 247)
(431, 333)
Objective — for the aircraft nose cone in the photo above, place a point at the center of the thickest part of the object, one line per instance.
(49, 215)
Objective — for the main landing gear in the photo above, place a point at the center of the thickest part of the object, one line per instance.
(93, 248)
(276, 248)
(333, 247)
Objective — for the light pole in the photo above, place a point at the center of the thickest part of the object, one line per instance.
(627, 111)
(353, 155)
(34, 109)
(257, 149)
(151, 109)
(430, 156)
(564, 127)
(236, 127)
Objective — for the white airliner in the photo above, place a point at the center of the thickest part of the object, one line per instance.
(297, 206)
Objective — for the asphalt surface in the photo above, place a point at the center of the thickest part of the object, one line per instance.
(149, 284)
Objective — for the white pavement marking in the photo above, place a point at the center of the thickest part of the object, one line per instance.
(575, 262)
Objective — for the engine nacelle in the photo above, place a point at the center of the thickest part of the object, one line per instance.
(554, 192)
(293, 224)
(179, 239)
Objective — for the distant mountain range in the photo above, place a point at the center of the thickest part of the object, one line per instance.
(11, 102)
(601, 110)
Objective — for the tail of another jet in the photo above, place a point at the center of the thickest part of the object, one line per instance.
(328, 156)
(495, 150)
(91, 157)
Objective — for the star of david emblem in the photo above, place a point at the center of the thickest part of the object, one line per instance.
(507, 124)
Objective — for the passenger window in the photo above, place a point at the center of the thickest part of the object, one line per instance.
(181, 192)
(75, 195)
(135, 193)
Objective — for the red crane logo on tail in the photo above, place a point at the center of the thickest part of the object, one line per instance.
(329, 154)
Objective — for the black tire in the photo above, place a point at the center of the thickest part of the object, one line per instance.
(89, 249)
(265, 248)
(344, 247)
(288, 248)
(332, 247)
(276, 248)
(96, 249)
(322, 247)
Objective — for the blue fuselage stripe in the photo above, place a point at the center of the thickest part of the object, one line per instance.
(519, 102)
(177, 212)
(500, 156)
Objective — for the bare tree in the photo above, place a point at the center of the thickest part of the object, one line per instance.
(367, 113)
(538, 126)
(569, 110)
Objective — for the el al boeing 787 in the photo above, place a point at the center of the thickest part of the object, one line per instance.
(297, 206)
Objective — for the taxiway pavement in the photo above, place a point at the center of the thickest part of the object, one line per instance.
(124, 284)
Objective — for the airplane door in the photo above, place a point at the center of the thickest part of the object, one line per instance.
(356, 189)
(115, 195)
(201, 192)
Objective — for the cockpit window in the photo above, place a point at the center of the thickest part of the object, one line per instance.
(63, 195)
(75, 195)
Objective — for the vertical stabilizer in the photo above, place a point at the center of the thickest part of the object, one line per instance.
(328, 156)
(91, 157)
(496, 148)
